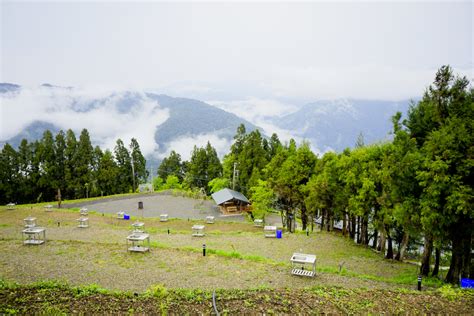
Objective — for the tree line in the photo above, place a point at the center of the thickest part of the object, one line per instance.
(63, 167)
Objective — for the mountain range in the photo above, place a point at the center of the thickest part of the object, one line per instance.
(169, 122)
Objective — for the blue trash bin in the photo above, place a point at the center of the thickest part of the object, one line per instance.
(467, 283)
(278, 233)
(126, 216)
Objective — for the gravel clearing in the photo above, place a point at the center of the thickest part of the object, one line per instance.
(238, 255)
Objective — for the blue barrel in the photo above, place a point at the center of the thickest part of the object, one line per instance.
(279, 233)
(467, 283)
(126, 216)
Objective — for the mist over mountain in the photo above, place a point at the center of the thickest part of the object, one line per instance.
(159, 122)
(162, 123)
(336, 124)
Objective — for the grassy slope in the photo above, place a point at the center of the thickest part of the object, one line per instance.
(239, 257)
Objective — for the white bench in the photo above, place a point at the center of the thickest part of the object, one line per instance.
(210, 219)
(163, 217)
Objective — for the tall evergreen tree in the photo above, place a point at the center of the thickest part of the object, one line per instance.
(139, 163)
(171, 165)
(83, 166)
(124, 163)
(60, 162)
(70, 166)
(107, 174)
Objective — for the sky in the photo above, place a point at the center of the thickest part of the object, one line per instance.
(258, 58)
(291, 51)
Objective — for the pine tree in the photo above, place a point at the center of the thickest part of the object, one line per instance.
(83, 166)
(70, 154)
(171, 165)
(139, 163)
(124, 163)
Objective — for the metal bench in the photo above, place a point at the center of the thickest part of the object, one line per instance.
(83, 222)
(270, 231)
(198, 230)
(138, 227)
(303, 264)
(210, 219)
(30, 222)
(258, 222)
(34, 235)
(163, 217)
(139, 242)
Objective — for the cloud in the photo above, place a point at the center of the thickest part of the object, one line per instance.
(364, 81)
(98, 110)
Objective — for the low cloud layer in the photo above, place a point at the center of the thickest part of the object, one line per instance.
(97, 110)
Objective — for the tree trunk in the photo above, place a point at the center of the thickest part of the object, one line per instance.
(403, 247)
(390, 246)
(328, 220)
(304, 217)
(363, 237)
(358, 230)
(425, 260)
(344, 224)
(376, 237)
(467, 243)
(461, 252)
(312, 221)
(365, 231)
(436, 266)
(353, 228)
(323, 214)
(383, 242)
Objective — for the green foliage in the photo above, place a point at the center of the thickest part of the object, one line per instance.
(263, 198)
(37, 171)
(172, 182)
(203, 167)
(218, 184)
(171, 165)
(157, 291)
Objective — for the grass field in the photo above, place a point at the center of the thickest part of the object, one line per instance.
(239, 258)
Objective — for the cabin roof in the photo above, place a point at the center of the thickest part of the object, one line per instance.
(225, 195)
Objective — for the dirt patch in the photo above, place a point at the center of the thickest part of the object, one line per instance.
(57, 299)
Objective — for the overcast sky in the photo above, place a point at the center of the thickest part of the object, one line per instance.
(238, 51)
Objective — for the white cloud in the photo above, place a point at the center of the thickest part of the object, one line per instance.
(105, 122)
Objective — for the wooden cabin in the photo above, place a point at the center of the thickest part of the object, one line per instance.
(231, 202)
